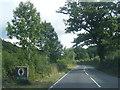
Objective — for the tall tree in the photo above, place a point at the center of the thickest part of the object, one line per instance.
(81, 53)
(25, 25)
(49, 42)
(118, 20)
(98, 20)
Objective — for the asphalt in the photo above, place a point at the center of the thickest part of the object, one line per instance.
(84, 76)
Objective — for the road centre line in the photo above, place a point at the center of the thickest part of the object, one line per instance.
(84, 68)
(91, 78)
(95, 82)
(68, 73)
(86, 73)
(59, 79)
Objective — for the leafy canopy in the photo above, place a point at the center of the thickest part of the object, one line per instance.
(97, 19)
(25, 25)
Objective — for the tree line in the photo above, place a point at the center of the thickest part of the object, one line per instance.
(100, 23)
(38, 48)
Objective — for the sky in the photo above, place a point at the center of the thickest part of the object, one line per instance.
(47, 9)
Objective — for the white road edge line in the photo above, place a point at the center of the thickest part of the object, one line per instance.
(95, 82)
(59, 80)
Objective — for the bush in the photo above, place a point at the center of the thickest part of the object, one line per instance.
(42, 66)
(111, 62)
(10, 61)
(62, 64)
(95, 61)
(53, 68)
(4, 75)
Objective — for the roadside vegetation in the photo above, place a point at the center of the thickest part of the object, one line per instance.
(42, 73)
(100, 23)
(40, 50)
(109, 66)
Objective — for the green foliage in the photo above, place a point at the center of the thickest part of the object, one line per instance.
(92, 51)
(95, 61)
(9, 47)
(81, 53)
(41, 66)
(98, 20)
(25, 26)
(49, 42)
(4, 75)
(62, 64)
(21, 56)
(67, 59)
(39, 42)
(28, 28)
(112, 59)
(111, 63)
(9, 63)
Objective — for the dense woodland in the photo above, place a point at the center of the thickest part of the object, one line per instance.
(40, 49)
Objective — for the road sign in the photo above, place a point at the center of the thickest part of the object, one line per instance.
(21, 71)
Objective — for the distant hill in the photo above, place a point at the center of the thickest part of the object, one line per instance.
(9, 47)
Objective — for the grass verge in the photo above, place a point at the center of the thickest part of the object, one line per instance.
(45, 82)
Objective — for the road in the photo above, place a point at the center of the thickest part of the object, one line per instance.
(84, 76)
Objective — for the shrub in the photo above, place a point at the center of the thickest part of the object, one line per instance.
(53, 68)
(42, 66)
(10, 61)
(4, 75)
(62, 64)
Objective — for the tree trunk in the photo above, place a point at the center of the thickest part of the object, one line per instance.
(101, 53)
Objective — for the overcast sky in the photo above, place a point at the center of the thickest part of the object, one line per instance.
(47, 9)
